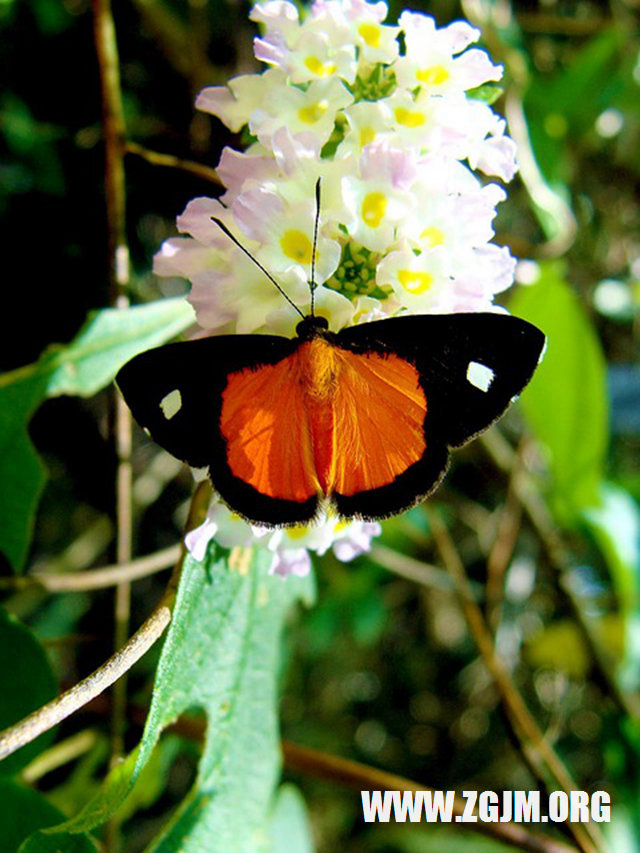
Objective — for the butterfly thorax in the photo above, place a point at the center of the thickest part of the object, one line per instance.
(320, 363)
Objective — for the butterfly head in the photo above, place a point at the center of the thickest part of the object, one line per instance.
(312, 326)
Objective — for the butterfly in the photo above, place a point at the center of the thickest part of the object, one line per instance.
(361, 420)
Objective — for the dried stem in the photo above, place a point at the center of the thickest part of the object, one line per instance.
(503, 456)
(362, 777)
(72, 700)
(540, 754)
(168, 160)
(96, 578)
(115, 197)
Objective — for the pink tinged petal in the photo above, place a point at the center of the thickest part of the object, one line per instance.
(219, 101)
(274, 14)
(196, 220)
(499, 264)
(380, 162)
(459, 35)
(292, 152)
(236, 167)
(359, 9)
(477, 68)
(255, 210)
(211, 297)
(197, 540)
(272, 50)
(291, 561)
(496, 156)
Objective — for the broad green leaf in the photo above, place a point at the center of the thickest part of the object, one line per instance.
(27, 682)
(82, 367)
(22, 812)
(290, 827)
(221, 654)
(566, 401)
(615, 524)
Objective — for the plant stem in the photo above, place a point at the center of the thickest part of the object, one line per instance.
(362, 777)
(532, 741)
(101, 578)
(59, 709)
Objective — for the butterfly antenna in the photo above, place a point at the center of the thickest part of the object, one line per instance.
(266, 272)
(314, 250)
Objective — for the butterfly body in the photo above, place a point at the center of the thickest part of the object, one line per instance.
(361, 419)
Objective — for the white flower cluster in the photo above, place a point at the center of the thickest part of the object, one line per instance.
(389, 118)
(289, 547)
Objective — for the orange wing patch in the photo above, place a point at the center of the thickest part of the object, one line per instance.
(323, 420)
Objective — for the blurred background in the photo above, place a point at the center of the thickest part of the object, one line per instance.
(542, 513)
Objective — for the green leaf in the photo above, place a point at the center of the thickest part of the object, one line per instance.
(488, 93)
(221, 654)
(566, 402)
(290, 827)
(615, 524)
(83, 367)
(22, 812)
(27, 683)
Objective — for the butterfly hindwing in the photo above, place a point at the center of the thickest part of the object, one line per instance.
(470, 365)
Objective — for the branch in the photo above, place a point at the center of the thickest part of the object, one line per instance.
(96, 578)
(362, 777)
(169, 160)
(531, 738)
(72, 700)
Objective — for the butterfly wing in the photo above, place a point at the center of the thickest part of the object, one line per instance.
(251, 435)
(469, 367)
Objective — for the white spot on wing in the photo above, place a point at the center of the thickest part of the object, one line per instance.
(543, 351)
(171, 403)
(479, 375)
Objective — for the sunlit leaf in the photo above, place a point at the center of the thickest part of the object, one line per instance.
(290, 827)
(566, 402)
(82, 367)
(221, 654)
(615, 524)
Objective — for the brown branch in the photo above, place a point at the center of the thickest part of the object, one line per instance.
(533, 743)
(79, 695)
(533, 504)
(362, 777)
(96, 578)
(172, 162)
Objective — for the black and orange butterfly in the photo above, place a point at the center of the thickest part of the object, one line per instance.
(362, 419)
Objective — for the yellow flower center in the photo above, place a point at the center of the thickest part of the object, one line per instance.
(297, 246)
(374, 207)
(370, 34)
(409, 119)
(414, 281)
(297, 532)
(340, 526)
(367, 135)
(433, 75)
(313, 113)
(432, 236)
(319, 68)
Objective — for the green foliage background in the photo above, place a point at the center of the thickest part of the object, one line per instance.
(373, 666)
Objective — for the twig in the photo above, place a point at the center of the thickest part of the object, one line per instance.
(362, 777)
(59, 709)
(502, 549)
(525, 727)
(113, 125)
(503, 456)
(169, 160)
(58, 755)
(96, 578)
(54, 712)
